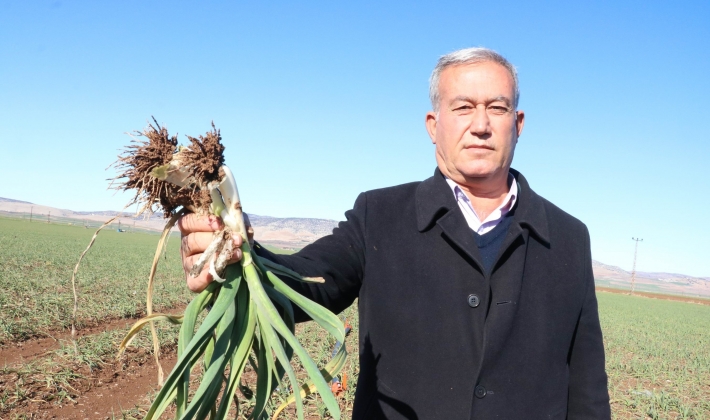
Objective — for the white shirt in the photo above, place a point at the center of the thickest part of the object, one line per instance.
(485, 226)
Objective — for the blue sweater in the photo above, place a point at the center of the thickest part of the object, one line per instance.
(490, 242)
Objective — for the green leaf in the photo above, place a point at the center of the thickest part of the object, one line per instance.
(265, 367)
(274, 343)
(211, 381)
(196, 346)
(245, 337)
(285, 271)
(187, 331)
(267, 309)
(329, 371)
(325, 318)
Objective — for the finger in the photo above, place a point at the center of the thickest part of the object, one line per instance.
(195, 243)
(199, 283)
(192, 222)
(250, 230)
(188, 262)
(196, 284)
(236, 256)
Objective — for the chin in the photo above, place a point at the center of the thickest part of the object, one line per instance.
(478, 171)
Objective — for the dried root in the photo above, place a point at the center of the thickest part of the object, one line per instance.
(169, 176)
(195, 178)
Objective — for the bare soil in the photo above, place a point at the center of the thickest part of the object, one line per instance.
(24, 351)
(101, 393)
(686, 299)
(113, 390)
(124, 386)
(98, 393)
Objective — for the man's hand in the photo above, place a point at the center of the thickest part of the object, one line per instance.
(197, 233)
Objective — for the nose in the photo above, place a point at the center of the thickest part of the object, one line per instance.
(480, 123)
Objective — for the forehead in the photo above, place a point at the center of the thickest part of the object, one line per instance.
(481, 80)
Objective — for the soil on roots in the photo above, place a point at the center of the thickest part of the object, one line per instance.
(201, 162)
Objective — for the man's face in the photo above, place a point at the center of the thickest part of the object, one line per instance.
(476, 128)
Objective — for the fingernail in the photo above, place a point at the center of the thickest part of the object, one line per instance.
(237, 254)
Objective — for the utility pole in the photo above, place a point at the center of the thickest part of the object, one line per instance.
(48, 213)
(633, 270)
(31, 209)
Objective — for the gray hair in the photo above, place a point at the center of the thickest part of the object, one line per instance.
(468, 56)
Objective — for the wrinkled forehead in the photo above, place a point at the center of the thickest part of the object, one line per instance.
(485, 81)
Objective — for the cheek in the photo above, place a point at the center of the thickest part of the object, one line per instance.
(451, 134)
(509, 149)
(449, 147)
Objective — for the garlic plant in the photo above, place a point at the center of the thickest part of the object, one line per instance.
(251, 305)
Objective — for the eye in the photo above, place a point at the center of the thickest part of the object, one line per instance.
(463, 108)
(498, 109)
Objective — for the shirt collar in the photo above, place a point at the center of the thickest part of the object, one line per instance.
(434, 200)
(499, 212)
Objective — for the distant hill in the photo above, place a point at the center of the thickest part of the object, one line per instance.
(670, 283)
(126, 219)
(287, 233)
(295, 233)
(290, 232)
(10, 200)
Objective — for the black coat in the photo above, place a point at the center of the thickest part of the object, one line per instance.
(531, 349)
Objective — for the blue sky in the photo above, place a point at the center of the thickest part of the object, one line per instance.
(319, 101)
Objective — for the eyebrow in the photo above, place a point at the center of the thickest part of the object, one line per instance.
(464, 98)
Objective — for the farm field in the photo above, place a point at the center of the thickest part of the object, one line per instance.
(658, 351)
(657, 356)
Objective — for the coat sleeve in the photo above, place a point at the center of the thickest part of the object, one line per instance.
(338, 258)
(588, 393)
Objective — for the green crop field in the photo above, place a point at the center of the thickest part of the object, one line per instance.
(35, 276)
(658, 351)
(658, 357)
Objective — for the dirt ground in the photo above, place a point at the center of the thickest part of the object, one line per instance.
(115, 387)
(686, 299)
(99, 393)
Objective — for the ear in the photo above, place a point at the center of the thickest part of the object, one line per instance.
(519, 121)
(430, 122)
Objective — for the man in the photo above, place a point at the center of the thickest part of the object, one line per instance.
(476, 295)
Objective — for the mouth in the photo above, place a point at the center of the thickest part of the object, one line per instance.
(478, 147)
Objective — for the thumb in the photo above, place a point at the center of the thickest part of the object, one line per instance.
(250, 230)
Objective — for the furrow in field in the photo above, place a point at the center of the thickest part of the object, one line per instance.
(21, 352)
(117, 388)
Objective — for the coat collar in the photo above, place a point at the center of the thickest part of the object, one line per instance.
(433, 199)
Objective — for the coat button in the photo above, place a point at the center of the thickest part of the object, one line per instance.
(473, 301)
(480, 391)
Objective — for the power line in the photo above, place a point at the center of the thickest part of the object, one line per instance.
(633, 270)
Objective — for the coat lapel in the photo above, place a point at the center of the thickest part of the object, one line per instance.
(529, 219)
(436, 205)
